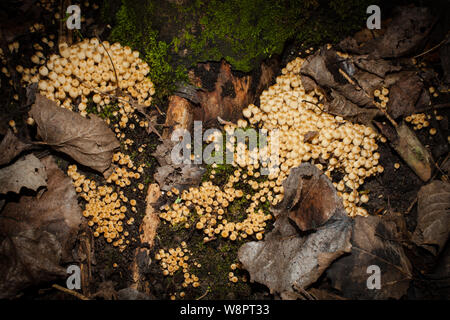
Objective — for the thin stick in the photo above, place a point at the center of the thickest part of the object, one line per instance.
(203, 295)
(71, 292)
(112, 63)
(435, 47)
(115, 73)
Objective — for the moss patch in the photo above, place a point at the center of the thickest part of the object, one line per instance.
(173, 37)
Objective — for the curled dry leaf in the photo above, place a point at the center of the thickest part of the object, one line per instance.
(26, 172)
(38, 234)
(375, 241)
(433, 221)
(348, 84)
(289, 259)
(403, 34)
(341, 97)
(88, 141)
(11, 147)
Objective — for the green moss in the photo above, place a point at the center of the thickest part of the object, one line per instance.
(136, 31)
(174, 37)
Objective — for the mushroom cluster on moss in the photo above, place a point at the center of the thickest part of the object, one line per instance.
(107, 207)
(175, 259)
(308, 134)
(209, 205)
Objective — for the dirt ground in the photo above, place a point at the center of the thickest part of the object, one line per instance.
(393, 191)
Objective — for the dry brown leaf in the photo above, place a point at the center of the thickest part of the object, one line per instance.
(27, 172)
(375, 241)
(38, 234)
(11, 147)
(403, 34)
(406, 94)
(288, 258)
(433, 221)
(88, 141)
(28, 257)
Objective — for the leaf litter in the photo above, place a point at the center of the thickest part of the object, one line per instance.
(38, 234)
(90, 142)
(297, 255)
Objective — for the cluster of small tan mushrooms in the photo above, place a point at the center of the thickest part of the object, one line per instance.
(106, 206)
(175, 259)
(307, 134)
(90, 69)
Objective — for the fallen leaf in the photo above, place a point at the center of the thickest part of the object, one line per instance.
(179, 115)
(340, 106)
(28, 257)
(379, 67)
(407, 30)
(38, 234)
(405, 94)
(286, 257)
(88, 141)
(11, 147)
(310, 198)
(375, 241)
(290, 258)
(433, 221)
(27, 172)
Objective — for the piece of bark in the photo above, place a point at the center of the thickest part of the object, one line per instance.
(180, 115)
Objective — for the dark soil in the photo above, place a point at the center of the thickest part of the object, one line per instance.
(393, 191)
